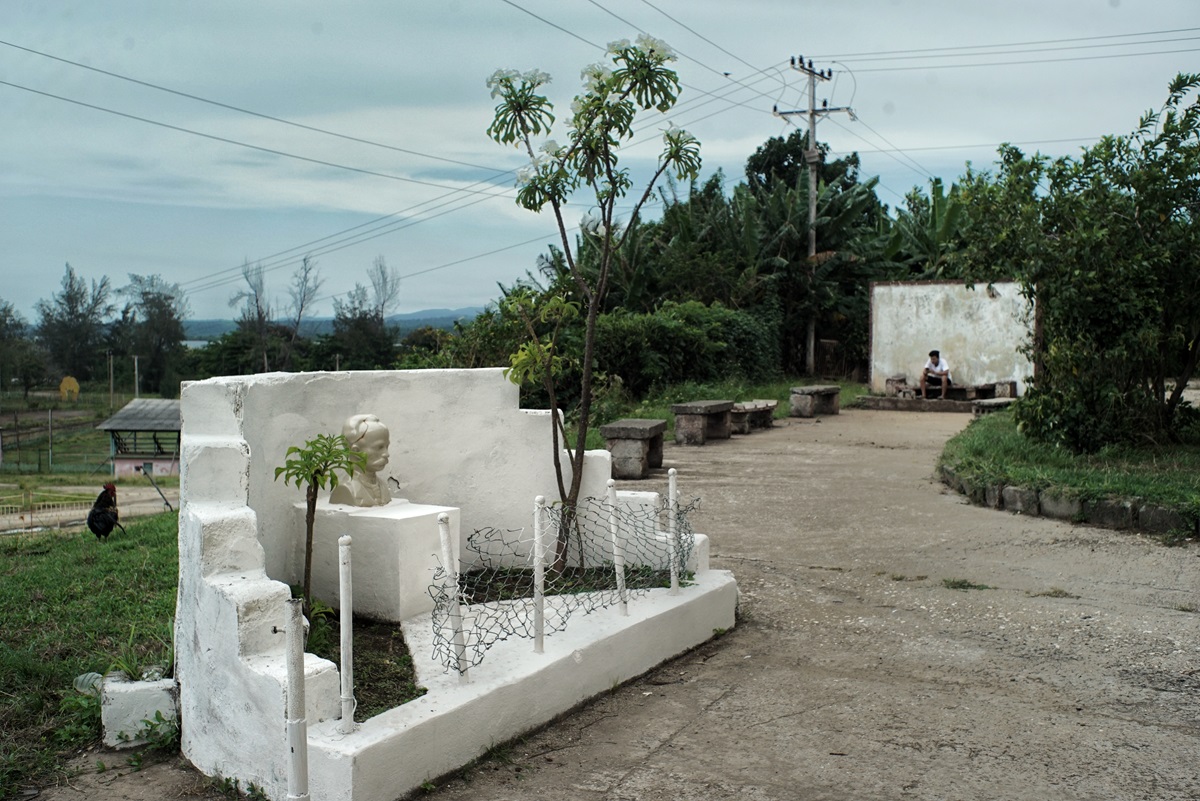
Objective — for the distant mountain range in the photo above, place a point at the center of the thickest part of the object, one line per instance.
(431, 318)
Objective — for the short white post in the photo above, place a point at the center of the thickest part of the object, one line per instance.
(673, 529)
(450, 562)
(618, 546)
(539, 574)
(297, 725)
(346, 599)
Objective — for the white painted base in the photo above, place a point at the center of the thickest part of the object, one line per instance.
(513, 691)
(126, 705)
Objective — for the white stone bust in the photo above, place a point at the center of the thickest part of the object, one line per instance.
(368, 435)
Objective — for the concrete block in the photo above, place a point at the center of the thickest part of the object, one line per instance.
(630, 458)
(690, 429)
(129, 708)
(993, 496)
(814, 400)
(1059, 507)
(1160, 520)
(1110, 513)
(394, 552)
(1021, 500)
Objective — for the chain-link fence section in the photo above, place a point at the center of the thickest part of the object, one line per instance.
(599, 556)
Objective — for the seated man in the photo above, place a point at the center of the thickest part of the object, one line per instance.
(935, 370)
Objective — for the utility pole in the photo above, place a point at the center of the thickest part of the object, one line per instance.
(136, 392)
(812, 156)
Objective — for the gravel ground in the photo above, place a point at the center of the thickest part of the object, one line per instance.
(855, 672)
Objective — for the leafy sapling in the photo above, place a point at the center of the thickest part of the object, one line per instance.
(315, 466)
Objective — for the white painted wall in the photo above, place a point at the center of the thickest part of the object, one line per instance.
(978, 330)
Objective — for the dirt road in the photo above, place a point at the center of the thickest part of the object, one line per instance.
(855, 672)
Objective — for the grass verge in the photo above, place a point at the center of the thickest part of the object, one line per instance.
(991, 452)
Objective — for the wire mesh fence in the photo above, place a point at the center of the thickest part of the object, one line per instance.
(601, 554)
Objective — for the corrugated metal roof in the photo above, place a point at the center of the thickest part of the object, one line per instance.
(145, 414)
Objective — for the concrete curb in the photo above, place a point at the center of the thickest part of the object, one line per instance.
(1114, 513)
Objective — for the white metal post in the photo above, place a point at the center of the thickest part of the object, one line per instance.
(673, 529)
(539, 574)
(450, 563)
(618, 546)
(346, 601)
(297, 725)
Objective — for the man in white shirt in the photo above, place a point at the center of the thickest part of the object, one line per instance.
(935, 370)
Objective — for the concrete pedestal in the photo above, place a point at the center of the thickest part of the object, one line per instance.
(399, 539)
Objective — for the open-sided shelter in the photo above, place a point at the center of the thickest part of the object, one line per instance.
(145, 432)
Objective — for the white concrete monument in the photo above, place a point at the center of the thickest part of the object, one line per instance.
(475, 457)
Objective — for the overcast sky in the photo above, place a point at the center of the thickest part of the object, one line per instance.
(145, 181)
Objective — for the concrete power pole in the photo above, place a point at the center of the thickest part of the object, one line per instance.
(813, 157)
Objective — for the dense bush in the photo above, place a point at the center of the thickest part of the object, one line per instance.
(687, 342)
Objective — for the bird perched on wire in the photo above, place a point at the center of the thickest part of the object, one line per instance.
(103, 516)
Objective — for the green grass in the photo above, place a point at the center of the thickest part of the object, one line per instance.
(657, 406)
(72, 605)
(990, 451)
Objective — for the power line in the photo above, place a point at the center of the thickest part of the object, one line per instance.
(229, 141)
(1028, 62)
(1007, 44)
(911, 57)
(1076, 139)
(240, 110)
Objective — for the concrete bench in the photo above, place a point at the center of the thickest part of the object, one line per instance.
(636, 446)
(699, 421)
(814, 400)
(749, 415)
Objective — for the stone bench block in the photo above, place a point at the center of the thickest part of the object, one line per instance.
(764, 415)
(815, 400)
(699, 421)
(636, 446)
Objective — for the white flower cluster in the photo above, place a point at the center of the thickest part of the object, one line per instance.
(615, 47)
(656, 46)
(592, 224)
(594, 76)
(506, 78)
(678, 136)
(548, 152)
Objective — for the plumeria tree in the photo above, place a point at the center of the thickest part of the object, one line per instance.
(636, 79)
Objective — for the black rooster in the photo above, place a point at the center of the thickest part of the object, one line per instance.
(103, 515)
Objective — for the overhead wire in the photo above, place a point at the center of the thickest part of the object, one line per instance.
(1007, 44)
(1027, 62)
(227, 140)
(240, 110)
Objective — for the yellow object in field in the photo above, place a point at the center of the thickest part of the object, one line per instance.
(68, 389)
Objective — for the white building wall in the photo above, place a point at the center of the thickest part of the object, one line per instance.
(978, 330)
